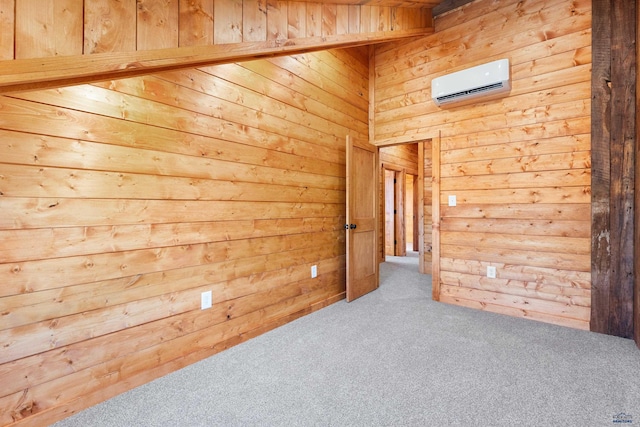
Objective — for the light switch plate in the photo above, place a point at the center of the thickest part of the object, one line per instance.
(452, 200)
(205, 300)
(314, 271)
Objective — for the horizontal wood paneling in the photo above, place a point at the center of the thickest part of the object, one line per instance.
(122, 201)
(519, 166)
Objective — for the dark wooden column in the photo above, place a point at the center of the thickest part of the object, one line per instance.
(636, 299)
(613, 132)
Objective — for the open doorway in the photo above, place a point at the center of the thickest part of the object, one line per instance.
(399, 200)
(406, 203)
(393, 208)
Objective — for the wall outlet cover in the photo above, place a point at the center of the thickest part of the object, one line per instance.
(314, 271)
(491, 272)
(205, 300)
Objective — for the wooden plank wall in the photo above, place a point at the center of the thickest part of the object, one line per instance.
(123, 201)
(519, 166)
(44, 28)
(403, 159)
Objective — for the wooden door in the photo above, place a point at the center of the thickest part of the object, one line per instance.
(362, 221)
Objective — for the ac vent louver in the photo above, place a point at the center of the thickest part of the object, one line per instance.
(486, 79)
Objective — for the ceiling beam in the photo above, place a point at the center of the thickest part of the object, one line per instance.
(448, 5)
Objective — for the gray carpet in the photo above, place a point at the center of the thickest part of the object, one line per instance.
(395, 358)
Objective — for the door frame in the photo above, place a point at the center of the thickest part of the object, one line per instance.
(400, 246)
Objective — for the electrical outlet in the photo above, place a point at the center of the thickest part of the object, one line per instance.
(491, 272)
(452, 200)
(314, 271)
(205, 300)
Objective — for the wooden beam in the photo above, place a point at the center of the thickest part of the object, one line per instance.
(384, 3)
(623, 133)
(38, 73)
(613, 129)
(600, 169)
(636, 243)
(448, 5)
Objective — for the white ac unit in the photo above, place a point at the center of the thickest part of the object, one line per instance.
(483, 80)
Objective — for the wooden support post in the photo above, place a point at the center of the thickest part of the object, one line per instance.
(636, 255)
(613, 167)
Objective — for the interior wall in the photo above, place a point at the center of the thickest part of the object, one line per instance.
(519, 166)
(123, 201)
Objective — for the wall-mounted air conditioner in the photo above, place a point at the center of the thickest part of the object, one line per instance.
(480, 81)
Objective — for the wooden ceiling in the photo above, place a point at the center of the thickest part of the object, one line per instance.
(51, 43)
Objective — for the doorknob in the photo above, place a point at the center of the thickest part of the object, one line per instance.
(352, 226)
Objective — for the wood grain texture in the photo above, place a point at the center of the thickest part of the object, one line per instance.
(254, 20)
(7, 25)
(622, 146)
(613, 132)
(195, 23)
(228, 26)
(636, 243)
(436, 217)
(519, 166)
(122, 201)
(99, 37)
(110, 26)
(157, 24)
(48, 28)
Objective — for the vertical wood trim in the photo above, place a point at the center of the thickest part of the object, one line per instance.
(277, 20)
(420, 215)
(109, 26)
(314, 19)
(254, 20)
(227, 22)
(342, 19)
(157, 25)
(372, 93)
(34, 25)
(365, 19)
(435, 226)
(376, 202)
(7, 22)
(329, 22)
(400, 190)
(69, 27)
(195, 26)
(354, 19)
(600, 166)
(296, 20)
(416, 202)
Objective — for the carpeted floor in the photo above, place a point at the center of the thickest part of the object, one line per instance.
(395, 358)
